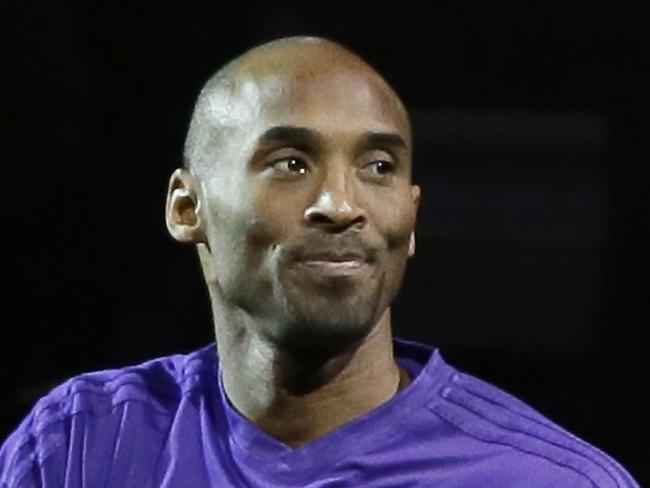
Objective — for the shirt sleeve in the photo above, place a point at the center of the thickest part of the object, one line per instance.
(32, 460)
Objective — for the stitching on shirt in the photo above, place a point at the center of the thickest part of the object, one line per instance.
(467, 386)
(24, 465)
(600, 458)
(514, 446)
(507, 444)
(497, 396)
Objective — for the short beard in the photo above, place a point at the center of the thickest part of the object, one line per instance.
(324, 325)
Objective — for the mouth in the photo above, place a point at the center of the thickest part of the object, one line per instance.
(331, 264)
(335, 268)
(334, 257)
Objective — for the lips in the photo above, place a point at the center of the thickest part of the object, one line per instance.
(334, 264)
(334, 258)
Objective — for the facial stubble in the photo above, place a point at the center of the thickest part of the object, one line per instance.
(325, 318)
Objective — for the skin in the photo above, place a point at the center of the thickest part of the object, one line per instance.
(304, 221)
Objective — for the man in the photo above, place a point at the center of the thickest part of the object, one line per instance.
(297, 194)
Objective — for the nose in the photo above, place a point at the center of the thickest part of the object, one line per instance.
(335, 207)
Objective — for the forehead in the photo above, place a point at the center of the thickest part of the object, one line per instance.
(338, 100)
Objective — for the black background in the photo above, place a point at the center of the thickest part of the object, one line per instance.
(531, 127)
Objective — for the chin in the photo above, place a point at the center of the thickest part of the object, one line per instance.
(325, 324)
(319, 338)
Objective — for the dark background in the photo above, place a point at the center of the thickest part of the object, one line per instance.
(531, 146)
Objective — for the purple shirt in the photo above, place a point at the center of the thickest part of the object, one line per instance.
(167, 423)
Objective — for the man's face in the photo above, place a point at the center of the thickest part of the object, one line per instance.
(309, 206)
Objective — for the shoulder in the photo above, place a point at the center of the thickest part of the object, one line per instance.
(100, 402)
(489, 415)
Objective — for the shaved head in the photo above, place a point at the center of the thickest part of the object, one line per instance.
(237, 93)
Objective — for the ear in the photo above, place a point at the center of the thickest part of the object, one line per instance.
(415, 195)
(183, 208)
(412, 244)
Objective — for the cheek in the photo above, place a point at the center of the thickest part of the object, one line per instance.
(234, 214)
(395, 220)
(275, 215)
(228, 215)
(239, 240)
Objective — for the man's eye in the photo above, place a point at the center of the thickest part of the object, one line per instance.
(382, 167)
(291, 165)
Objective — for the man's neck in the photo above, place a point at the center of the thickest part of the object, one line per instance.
(261, 381)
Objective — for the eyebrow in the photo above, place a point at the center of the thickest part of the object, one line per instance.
(300, 136)
(289, 134)
(383, 139)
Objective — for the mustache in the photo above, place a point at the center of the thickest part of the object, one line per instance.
(331, 247)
